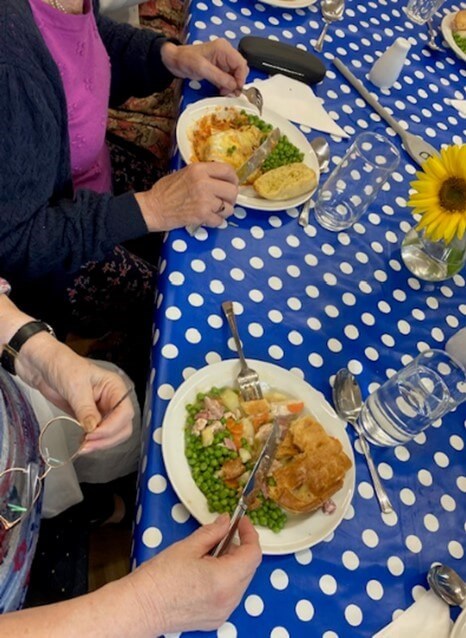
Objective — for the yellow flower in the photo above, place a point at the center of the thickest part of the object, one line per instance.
(440, 195)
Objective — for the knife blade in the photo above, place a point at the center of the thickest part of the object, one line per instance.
(258, 157)
(253, 484)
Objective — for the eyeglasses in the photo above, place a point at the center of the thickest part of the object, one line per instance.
(60, 442)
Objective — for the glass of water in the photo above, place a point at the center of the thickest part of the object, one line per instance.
(356, 181)
(421, 11)
(420, 393)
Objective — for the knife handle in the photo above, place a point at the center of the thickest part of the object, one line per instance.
(224, 544)
(370, 99)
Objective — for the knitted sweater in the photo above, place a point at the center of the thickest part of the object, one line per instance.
(45, 229)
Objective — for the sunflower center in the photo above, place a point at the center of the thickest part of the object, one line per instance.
(452, 195)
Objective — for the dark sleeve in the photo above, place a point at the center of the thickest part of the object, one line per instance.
(137, 68)
(40, 234)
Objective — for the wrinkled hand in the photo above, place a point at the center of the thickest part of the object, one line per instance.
(79, 387)
(217, 61)
(184, 588)
(202, 193)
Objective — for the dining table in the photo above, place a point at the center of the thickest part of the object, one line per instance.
(312, 301)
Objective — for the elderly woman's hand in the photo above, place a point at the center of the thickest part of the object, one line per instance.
(184, 588)
(79, 387)
(215, 61)
(202, 193)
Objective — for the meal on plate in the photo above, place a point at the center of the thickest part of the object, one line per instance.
(232, 135)
(458, 28)
(223, 438)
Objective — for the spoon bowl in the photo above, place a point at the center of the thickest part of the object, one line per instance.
(321, 148)
(332, 10)
(448, 585)
(347, 399)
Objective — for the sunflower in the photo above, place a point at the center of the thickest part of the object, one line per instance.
(440, 195)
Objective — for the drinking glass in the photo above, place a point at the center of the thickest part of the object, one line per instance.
(421, 11)
(354, 184)
(420, 393)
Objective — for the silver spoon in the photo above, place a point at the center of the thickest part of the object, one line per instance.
(347, 400)
(448, 585)
(322, 150)
(332, 10)
(254, 96)
(432, 44)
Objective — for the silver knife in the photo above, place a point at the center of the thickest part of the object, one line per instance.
(258, 157)
(254, 482)
(416, 147)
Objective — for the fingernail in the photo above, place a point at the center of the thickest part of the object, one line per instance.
(221, 519)
(89, 424)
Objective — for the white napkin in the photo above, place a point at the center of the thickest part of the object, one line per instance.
(460, 105)
(297, 102)
(428, 617)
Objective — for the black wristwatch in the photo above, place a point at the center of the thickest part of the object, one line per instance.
(17, 341)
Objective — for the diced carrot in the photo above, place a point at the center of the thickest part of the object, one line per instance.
(236, 428)
(295, 407)
(260, 419)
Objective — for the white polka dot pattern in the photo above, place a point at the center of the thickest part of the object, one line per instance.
(314, 301)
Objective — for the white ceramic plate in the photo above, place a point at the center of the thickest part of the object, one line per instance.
(289, 4)
(459, 628)
(448, 35)
(300, 531)
(247, 195)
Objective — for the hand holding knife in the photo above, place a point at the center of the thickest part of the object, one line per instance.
(252, 164)
(254, 483)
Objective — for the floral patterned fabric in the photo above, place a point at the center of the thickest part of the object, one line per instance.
(149, 122)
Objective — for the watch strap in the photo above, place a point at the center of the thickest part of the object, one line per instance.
(17, 341)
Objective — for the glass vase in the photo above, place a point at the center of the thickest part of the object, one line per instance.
(432, 260)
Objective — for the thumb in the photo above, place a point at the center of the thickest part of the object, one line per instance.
(207, 536)
(86, 410)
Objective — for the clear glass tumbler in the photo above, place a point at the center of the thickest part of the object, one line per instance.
(355, 182)
(421, 11)
(420, 393)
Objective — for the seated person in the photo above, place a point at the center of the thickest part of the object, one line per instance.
(183, 588)
(61, 226)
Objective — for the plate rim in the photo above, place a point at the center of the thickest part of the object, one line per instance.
(283, 547)
(259, 203)
(448, 34)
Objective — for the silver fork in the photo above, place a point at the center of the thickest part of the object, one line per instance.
(248, 379)
(254, 96)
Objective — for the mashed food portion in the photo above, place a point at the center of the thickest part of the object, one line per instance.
(232, 136)
(226, 135)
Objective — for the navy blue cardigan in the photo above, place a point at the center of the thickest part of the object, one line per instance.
(44, 230)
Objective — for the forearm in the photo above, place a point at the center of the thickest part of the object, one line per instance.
(110, 612)
(11, 320)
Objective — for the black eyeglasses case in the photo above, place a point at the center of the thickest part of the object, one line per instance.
(277, 57)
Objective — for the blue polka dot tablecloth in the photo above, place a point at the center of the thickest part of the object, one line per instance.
(313, 301)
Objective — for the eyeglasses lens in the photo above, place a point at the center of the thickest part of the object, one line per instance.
(60, 441)
(17, 494)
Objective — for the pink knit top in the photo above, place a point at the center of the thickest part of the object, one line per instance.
(84, 66)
